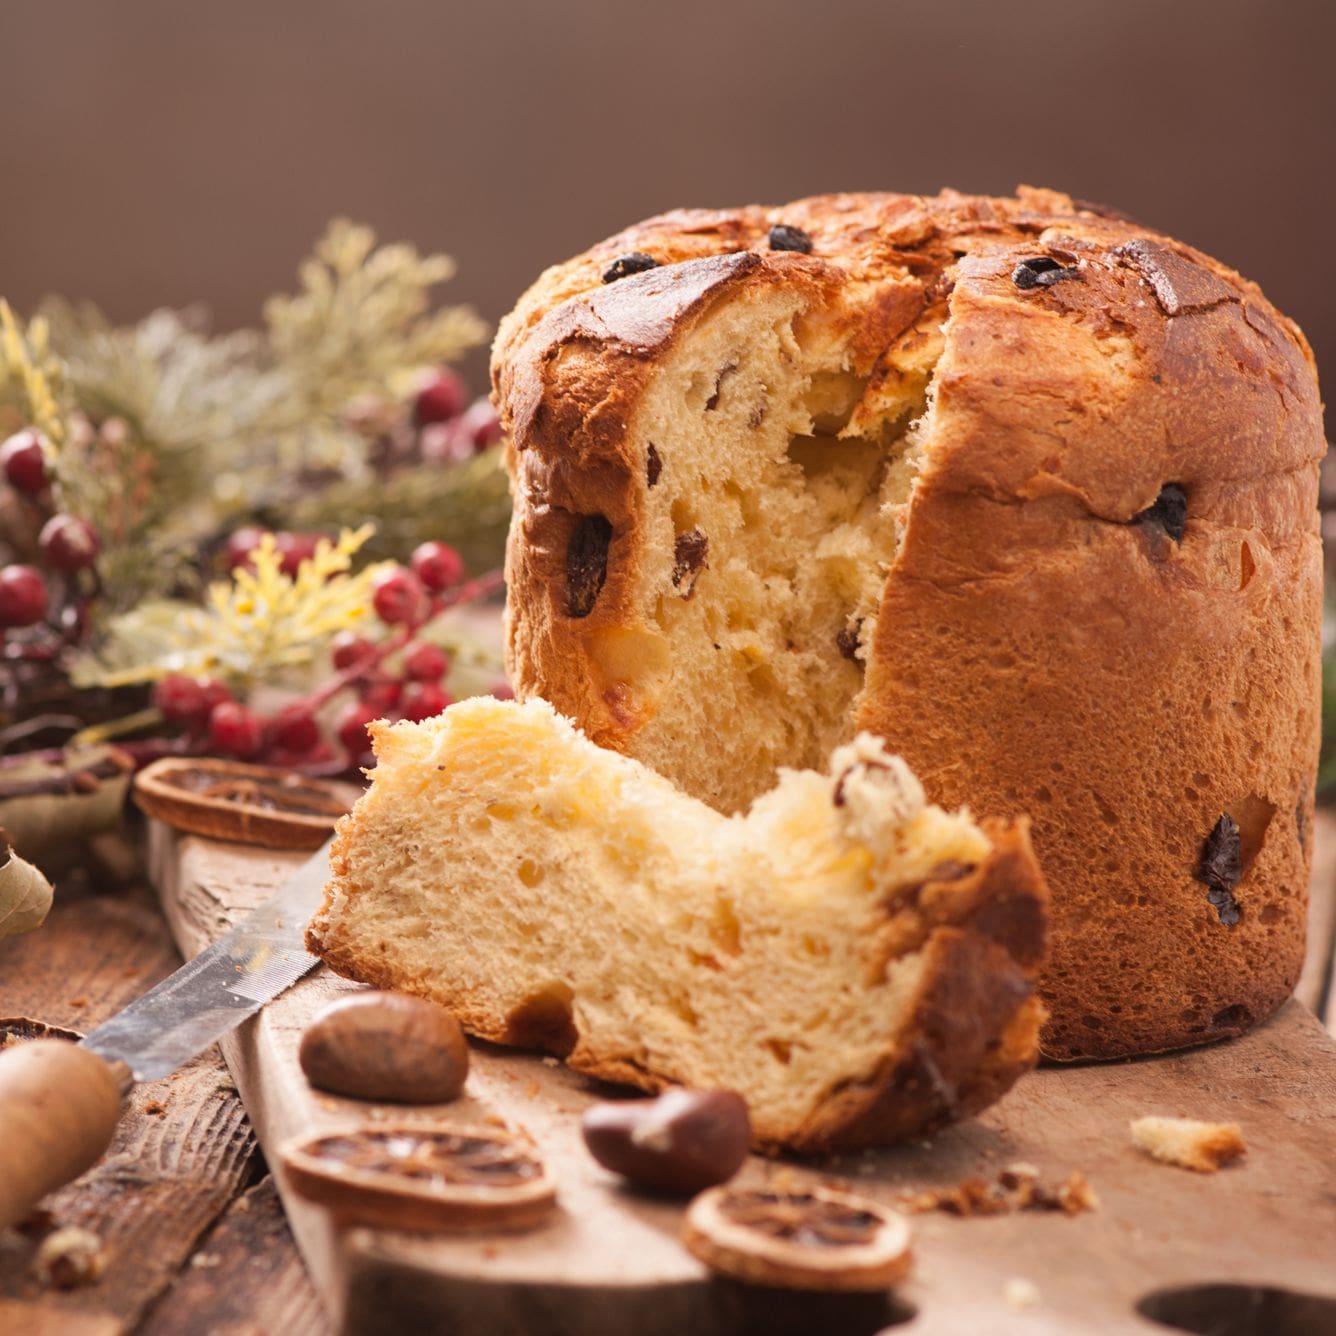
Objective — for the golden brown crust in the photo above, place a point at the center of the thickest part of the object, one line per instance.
(973, 1030)
(1039, 649)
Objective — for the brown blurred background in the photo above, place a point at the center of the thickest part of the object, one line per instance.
(154, 151)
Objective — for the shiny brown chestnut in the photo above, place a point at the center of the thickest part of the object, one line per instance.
(386, 1046)
(681, 1142)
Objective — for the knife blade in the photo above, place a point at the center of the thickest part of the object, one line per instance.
(246, 967)
(60, 1102)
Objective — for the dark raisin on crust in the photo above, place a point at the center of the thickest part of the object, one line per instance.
(634, 262)
(653, 466)
(1041, 271)
(785, 238)
(689, 554)
(586, 564)
(1221, 868)
(1169, 511)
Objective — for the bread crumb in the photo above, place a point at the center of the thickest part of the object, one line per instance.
(1188, 1143)
(1020, 1293)
(68, 1258)
(155, 1108)
(203, 1260)
(1076, 1194)
(1017, 1189)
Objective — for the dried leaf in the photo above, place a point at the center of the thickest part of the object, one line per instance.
(25, 895)
(48, 804)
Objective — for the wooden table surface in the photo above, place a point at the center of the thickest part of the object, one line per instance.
(184, 1203)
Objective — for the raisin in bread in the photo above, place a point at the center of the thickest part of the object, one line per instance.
(1020, 486)
(855, 962)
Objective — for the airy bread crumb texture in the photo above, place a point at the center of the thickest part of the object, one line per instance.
(843, 943)
(769, 489)
(1191, 1144)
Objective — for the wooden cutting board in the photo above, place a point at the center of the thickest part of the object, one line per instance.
(610, 1262)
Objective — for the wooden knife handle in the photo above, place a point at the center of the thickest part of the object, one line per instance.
(59, 1106)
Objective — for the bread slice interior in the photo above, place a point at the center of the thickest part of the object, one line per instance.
(854, 961)
(776, 485)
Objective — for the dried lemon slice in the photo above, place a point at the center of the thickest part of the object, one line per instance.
(249, 804)
(418, 1176)
(813, 1239)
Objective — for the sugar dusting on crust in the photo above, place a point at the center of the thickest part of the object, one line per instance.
(874, 791)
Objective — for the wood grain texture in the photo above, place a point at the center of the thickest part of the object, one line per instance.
(610, 1261)
(246, 1280)
(183, 1148)
(1315, 987)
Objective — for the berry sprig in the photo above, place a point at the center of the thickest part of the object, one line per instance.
(44, 607)
(71, 663)
(308, 734)
(442, 426)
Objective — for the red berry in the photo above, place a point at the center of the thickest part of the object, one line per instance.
(482, 424)
(382, 696)
(350, 729)
(398, 597)
(350, 651)
(23, 458)
(240, 544)
(68, 544)
(421, 700)
(233, 729)
(295, 730)
(502, 690)
(215, 693)
(181, 699)
(294, 548)
(445, 442)
(440, 399)
(22, 596)
(437, 565)
(425, 662)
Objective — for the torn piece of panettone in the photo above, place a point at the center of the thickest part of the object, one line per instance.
(855, 962)
(1191, 1144)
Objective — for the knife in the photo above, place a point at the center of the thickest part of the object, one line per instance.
(60, 1102)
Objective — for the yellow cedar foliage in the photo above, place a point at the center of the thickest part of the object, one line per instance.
(254, 627)
(31, 370)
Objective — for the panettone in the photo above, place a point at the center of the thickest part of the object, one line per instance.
(1019, 485)
(856, 963)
